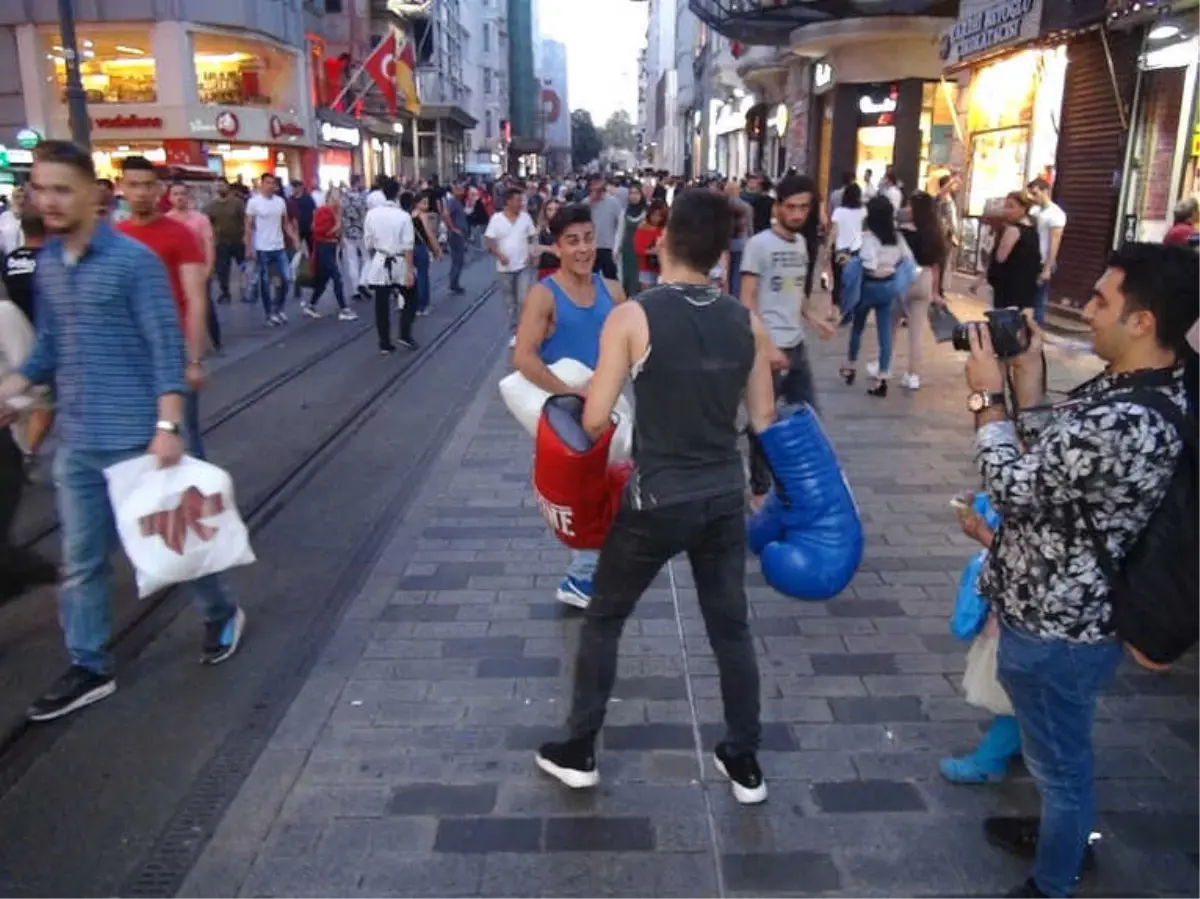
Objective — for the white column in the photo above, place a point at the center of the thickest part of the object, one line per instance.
(174, 69)
(39, 92)
(437, 147)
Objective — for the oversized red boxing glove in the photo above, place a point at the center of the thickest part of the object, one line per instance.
(577, 490)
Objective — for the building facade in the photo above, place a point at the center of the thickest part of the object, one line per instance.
(225, 87)
(487, 66)
(556, 109)
(441, 133)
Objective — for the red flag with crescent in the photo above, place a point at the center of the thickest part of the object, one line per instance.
(392, 66)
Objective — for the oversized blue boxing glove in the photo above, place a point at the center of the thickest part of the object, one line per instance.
(822, 541)
(766, 525)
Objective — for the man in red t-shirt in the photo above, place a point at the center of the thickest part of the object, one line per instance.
(187, 271)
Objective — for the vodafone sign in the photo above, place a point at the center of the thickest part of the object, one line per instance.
(281, 128)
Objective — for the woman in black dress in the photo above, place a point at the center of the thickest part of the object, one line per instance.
(1016, 260)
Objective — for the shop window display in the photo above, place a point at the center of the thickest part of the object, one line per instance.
(115, 67)
(236, 72)
(938, 101)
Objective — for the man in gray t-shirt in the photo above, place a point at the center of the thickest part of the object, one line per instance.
(774, 269)
(606, 218)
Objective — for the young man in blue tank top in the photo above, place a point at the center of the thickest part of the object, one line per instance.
(693, 353)
(561, 319)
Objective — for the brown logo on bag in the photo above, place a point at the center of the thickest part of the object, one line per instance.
(173, 524)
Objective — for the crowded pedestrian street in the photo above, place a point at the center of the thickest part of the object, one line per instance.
(622, 448)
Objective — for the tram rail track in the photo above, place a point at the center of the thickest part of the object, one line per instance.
(21, 742)
(249, 400)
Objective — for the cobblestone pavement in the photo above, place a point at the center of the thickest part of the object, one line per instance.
(405, 766)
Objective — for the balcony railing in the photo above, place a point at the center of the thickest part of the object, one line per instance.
(772, 21)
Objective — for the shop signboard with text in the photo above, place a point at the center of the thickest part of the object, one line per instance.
(985, 26)
(139, 122)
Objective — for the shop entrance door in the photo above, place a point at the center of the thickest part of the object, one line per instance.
(997, 166)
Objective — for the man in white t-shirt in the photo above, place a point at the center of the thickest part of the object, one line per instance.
(268, 228)
(509, 235)
(1051, 222)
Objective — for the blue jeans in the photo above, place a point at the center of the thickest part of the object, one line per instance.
(1053, 686)
(1043, 299)
(880, 297)
(89, 536)
(421, 264)
(278, 260)
(583, 564)
(458, 253)
(328, 272)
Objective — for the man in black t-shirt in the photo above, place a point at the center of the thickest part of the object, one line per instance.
(21, 263)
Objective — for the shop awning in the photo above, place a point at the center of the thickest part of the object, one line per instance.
(448, 112)
(337, 117)
(771, 22)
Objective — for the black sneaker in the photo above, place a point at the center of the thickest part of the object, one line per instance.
(408, 343)
(1019, 836)
(221, 638)
(1028, 888)
(386, 350)
(572, 762)
(77, 688)
(743, 773)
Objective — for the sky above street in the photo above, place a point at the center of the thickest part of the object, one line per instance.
(603, 39)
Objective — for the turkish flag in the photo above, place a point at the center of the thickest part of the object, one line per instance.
(381, 66)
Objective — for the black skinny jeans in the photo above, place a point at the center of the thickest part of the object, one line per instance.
(19, 568)
(384, 299)
(713, 534)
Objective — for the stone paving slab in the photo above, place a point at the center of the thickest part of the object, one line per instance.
(405, 766)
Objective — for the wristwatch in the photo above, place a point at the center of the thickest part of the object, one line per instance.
(167, 427)
(981, 399)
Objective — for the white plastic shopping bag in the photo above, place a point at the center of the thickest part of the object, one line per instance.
(176, 524)
(979, 681)
(525, 400)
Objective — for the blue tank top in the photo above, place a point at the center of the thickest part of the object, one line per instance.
(576, 328)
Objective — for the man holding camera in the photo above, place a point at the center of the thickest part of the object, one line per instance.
(1092, 475)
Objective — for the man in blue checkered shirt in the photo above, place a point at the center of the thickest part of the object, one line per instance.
(108, 336)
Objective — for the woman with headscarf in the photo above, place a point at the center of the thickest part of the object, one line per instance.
(635, 214)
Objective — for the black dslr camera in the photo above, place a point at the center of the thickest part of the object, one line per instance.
(1008, 328)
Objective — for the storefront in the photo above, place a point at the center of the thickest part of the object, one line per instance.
(340, 152)
(180, 95)
(1009, 99)
(731, 157)
(1161, 160)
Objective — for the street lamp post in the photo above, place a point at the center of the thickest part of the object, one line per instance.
(76, 98)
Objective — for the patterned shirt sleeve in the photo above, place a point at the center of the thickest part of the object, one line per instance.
(39, 366)
(1109, 454)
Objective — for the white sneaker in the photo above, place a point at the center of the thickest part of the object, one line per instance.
(512, 341)
(910, 382)
(310, 311)
(347, 315)
(282, 317)
(872, 369)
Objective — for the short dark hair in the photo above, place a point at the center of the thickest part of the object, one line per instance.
(178, 182)
(105, 182)
(852, 196)
(265, 175)
(136, 164)
(391, 188)
(407, 201)
(1038, 184)
(1164, 281)
(569, 214)
(699, 229)
(790, 185)
(33, 226)
(63, 152)
(509, 193)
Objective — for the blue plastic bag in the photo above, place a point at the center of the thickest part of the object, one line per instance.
(971, 609)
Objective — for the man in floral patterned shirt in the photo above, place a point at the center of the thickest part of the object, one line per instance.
(1115, 459)
(354, 210)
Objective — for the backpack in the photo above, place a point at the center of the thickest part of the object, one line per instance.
(1155, 589)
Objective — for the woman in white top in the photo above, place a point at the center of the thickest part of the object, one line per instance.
(845, 234)
(881, 251)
